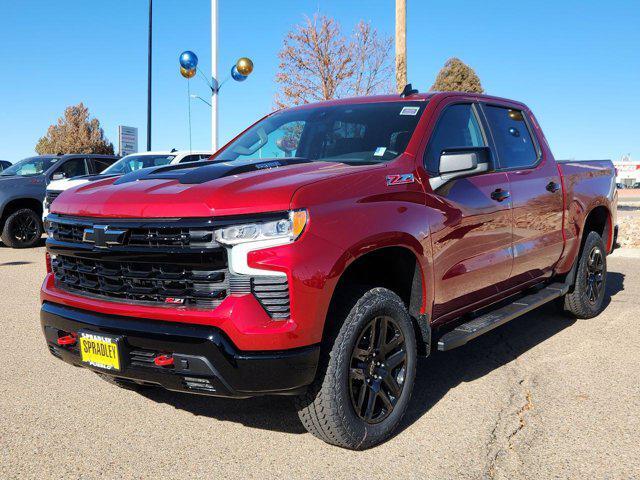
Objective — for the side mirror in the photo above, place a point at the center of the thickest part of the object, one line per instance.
(461, 162)
(58, 176)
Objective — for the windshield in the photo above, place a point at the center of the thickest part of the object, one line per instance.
(30, 166)
(355, 133)
(131, 163)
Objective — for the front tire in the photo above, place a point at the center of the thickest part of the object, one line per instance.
(23, 229)
(363, 391)
(587, 298)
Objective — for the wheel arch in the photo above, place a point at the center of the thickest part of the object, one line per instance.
(396, 267)
(599, 220)
(16, 204)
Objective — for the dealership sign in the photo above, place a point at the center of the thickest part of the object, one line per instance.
(127, 140)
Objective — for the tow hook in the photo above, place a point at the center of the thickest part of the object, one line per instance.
(163, 360)
(67, 340)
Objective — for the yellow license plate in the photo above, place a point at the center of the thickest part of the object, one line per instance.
(99, 351)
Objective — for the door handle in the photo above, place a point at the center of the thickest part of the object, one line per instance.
(499, 195)
(552, 187)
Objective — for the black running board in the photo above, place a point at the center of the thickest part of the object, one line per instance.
(488, 321)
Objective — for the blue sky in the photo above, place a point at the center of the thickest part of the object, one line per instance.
(575, 63)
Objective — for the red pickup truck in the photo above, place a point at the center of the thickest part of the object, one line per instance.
(328, 247)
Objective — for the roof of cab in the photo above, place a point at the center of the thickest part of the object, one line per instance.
(413, 97)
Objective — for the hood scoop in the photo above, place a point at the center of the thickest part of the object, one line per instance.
(207, 170)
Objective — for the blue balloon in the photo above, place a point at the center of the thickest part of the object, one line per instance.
(236, 75)
(188, 60)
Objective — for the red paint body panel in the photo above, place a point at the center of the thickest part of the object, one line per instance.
(471, 250)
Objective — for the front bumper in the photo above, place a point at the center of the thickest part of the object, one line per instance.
(205, 361)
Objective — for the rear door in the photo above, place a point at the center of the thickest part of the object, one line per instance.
(536, 192)
(472, 241)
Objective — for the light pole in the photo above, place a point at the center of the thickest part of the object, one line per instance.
(149, 81)
(401, 44)
(214, 75)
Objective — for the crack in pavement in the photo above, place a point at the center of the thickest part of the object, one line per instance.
(511, 418)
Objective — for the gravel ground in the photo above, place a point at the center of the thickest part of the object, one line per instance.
(629, 223)
(542, 397)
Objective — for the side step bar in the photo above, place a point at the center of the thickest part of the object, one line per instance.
(484, 323)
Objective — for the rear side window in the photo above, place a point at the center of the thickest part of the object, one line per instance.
(513, 139)
(457, 127)
(102, 163)
(190, 158)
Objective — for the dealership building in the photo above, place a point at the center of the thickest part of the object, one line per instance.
(628, 171)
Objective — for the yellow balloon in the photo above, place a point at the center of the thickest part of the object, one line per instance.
(244, 66)
(187, 73)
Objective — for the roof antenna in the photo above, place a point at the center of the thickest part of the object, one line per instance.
(408, 90)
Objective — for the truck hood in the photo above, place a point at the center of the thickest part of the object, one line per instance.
(199, 190)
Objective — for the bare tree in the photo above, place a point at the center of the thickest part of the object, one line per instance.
(317, 62)
(75, 132)
(372, 69)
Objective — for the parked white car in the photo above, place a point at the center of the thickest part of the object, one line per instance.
(128, 164)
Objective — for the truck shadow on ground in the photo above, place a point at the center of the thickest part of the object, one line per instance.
(40, 243)
(436, 375)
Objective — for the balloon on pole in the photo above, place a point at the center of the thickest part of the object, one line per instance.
(236, 75)
(188, 60)
(187, 73)
(244, 66)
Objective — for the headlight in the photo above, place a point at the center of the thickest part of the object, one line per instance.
(286, 228)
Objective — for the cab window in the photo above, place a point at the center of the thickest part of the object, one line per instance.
(73, 168)
(512, 137)
(458, 126)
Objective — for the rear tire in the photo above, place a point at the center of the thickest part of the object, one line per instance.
(364, 386)
(22, 229)
(587, 298)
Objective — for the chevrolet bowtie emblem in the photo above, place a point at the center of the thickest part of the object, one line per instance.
(103, 237)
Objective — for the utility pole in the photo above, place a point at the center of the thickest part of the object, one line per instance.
(149, 80)
(401, 44)
(214, 75)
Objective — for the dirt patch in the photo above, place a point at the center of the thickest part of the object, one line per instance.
(629, 224)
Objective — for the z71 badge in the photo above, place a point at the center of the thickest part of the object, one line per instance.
(400, 179)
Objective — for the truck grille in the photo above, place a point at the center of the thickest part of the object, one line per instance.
(50, 196)
(174, 285)
(173, 263)
(153, 236)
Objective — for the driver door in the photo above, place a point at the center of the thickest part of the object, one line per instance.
(472, 237)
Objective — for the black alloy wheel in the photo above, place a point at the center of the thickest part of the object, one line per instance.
(22, 229)
(586, 299)
(25, 229)
(595, 274)
(377, 370)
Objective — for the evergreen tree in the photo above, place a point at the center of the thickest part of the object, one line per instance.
(457, 76)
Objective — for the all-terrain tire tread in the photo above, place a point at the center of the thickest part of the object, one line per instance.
(319, 409)
(575, 302)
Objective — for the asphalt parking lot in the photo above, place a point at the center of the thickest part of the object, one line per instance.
(542, 397)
